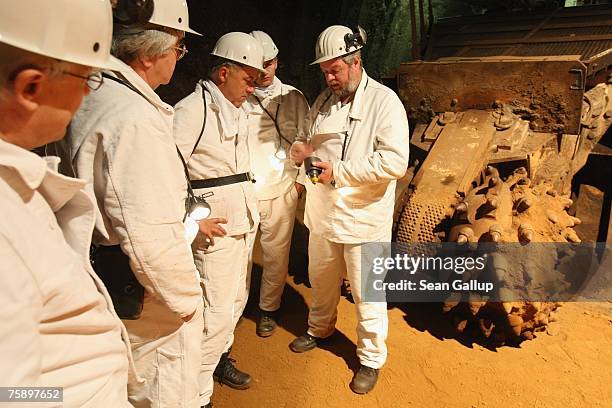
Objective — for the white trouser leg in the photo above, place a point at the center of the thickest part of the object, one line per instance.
(372, 319)
(325, 271)
(277, 219)
(251, 238)
(244, 280)
(167, 356)
(222, 270)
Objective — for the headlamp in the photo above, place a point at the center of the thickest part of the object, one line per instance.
(280, 154)
(355, 39)
(197, 208)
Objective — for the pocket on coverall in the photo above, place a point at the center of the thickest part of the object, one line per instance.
(171, 385)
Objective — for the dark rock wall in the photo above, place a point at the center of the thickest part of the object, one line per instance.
(294, 26)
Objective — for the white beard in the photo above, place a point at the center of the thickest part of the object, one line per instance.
(350, 88)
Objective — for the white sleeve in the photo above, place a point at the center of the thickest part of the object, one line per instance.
(141, 202)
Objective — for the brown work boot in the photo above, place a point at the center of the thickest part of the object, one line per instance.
(266, 324)
(364, 380)
(303, 343)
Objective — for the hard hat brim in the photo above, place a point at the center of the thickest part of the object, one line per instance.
(326, 58)
(323, 59)
(111, 64)
(175, 27)
(271, 56)
(193, 32)
(260, 68)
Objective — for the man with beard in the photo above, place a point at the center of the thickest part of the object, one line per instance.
(358, 128)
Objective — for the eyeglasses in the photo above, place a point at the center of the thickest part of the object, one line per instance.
(94, 80)
(181, 51)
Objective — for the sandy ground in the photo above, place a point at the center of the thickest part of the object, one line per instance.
(428, 364)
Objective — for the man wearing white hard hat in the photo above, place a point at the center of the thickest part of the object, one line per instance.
(59, 328)
(211, 132)
(121, 142)
(277, 114)
(359, 131)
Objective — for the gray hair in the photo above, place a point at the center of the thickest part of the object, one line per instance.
(350, 58)
(217, 63)
(131, 43)
(13, 60)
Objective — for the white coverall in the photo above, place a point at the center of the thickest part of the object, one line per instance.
(59, 328)
(276, 194)
(372, 131)
(221, 151)
(121, 142)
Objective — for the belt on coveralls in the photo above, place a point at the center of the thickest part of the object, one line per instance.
(222, 181)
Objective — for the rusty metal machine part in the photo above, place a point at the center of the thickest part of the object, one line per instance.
(453, 162)
(511, 210)
(534, 88)
(502, 137)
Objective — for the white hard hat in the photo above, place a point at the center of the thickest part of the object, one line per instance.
(269, 48)
(172, 14)
(337, 41)
(77, 31)
(240, 47)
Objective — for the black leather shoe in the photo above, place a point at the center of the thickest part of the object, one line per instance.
(364, 380)
(266, 325)
(303, 343)
(226, 373)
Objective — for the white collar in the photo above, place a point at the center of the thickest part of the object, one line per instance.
(131, 77)
(35, 172)
(229, 114)
(265, 96)
(30, 167)
(270, 91)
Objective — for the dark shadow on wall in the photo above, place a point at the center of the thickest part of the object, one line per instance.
(294, 26)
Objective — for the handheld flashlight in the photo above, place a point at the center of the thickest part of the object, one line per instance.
(313, 172)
